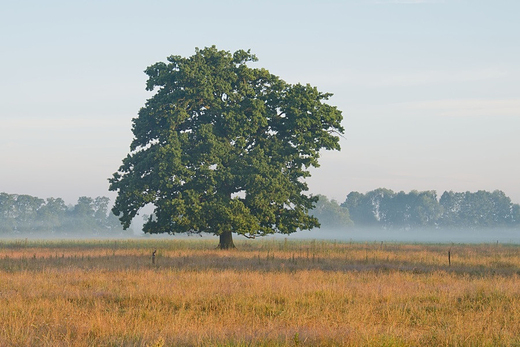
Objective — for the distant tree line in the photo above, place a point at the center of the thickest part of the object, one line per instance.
(25, 214)
(380, 208)
(387, 209)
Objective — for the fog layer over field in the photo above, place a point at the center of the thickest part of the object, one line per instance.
(446, 236)
(416, 235)
(353, 234)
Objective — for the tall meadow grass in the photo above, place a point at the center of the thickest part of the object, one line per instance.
(265, 293)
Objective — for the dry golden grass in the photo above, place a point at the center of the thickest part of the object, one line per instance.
(267, 293)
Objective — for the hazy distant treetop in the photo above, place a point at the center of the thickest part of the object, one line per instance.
(330, 214)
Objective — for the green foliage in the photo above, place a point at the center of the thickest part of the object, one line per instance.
(222, 147)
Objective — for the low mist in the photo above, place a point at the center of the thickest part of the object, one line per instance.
(426, 235)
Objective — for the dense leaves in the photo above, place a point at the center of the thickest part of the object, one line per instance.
(222, 147)
(25, 214)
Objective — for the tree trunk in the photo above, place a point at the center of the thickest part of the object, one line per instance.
(226, 240)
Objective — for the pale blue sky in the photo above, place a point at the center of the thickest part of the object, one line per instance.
(430, 90)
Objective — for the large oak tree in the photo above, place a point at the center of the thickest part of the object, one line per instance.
(224, 148)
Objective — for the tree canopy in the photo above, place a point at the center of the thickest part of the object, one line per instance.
(224, 148)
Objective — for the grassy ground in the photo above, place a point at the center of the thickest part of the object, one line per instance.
(266, 293)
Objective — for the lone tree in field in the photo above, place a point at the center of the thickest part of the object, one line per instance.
(223, 148)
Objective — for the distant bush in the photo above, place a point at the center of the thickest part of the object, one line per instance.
(330, 214)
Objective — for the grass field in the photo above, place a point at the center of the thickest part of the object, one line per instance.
(265, 293)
